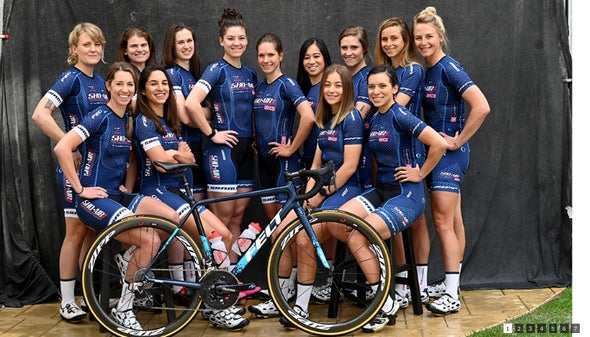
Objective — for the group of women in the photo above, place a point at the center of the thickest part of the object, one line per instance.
(366, 120)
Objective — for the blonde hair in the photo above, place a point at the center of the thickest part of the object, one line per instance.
(429, 15)
(408, 51)
(93, 31)
(324, 111)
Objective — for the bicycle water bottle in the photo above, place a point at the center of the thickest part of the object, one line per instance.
(218, 248)
(245, 239)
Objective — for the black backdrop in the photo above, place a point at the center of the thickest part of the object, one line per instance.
(518, 185)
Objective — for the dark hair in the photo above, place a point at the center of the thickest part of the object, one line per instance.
(271, 38)
(302, 75)
(112, 70)
(230, 18)
(388, 70)
(358, 32)
(129, 33)
(169, 51)
(142, 106)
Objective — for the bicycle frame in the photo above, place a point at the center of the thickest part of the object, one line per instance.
(291, 204)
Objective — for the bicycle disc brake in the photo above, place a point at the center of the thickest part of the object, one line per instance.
(214, 292)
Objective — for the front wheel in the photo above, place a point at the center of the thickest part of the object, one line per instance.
(157, 311)
(353, 300)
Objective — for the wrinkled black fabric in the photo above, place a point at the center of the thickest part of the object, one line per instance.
(515, 194)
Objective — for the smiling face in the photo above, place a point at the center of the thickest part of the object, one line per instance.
(392, 42)
(121, 88)
(333, 90)
(138, 51)
(428, 42)
(157, 91)
(234, 42)
(352, 53)
(89, 51)
(269, 59)
(184, 45)
(381, 91)
(314, 63)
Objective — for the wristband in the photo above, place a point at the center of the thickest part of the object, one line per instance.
(82, 191)
(213, 132)
(323, 192)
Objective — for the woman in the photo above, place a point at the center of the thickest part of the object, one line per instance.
(314, 57)
(157, 139)
(397, 199)
(277, 99)
(394, 47)
(100, 198)
(354, 45)
(340, 140)
(76, 92)
(228, 156)
(447, 88)
(136, 46)
(180, 57)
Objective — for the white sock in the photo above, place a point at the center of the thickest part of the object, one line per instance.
(284, 285)
(189, 271)
(67, 288)
(303, 295)
(127, 296)
(293, 277)
(452, 284)
(401, 288)
(388, 305)
(422, 271)
(176, 273)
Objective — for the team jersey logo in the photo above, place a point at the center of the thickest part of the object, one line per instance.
(430, 91)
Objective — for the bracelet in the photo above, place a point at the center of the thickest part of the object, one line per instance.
(213, 132)
(323, 192)
(78, 193)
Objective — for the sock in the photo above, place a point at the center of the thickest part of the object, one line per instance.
(127, 296)
(452, 284)
(293, 277)
(67, 288)
(401, 288)
(284, 284)
(189, 271)
(303, 295)
(388, 305)
(129, 252)
(176, 273)
(422, 271)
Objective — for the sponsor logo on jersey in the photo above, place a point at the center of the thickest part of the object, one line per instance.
(430, 91)
(90, 158)
(214, 167)
(93, 210)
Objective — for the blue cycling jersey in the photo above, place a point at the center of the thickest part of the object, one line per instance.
(309, 146)
(443, 105)
(107, 149)
(146, 137)
(275, 106)
(391, 140)
(76, 94)
(182, 83)
(332, 141)
(231, 94)
(411, 83)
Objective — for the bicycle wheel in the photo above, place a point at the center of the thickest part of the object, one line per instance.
(353, 301)
(154, 304)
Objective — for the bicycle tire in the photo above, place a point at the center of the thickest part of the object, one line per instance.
(155, 310)
(348, 313)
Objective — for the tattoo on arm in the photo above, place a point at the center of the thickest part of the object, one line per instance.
(49, 106)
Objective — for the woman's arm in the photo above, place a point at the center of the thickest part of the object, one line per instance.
(479, 111)
(63, 151)
(197, 115)
(306, 120)
(43, 117)
(436, 148)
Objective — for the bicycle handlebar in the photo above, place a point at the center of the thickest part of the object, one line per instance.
(317, 175)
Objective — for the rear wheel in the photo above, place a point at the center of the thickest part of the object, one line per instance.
(158, 311)
(353, 301)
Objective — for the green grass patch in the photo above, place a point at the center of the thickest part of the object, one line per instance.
(548, 316)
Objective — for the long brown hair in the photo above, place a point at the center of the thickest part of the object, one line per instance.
(140, 32)
(409, 50)
(324, 112)
(126, 67)
(169, 51)
(142, 106)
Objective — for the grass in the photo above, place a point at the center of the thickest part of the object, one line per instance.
(551, 314)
